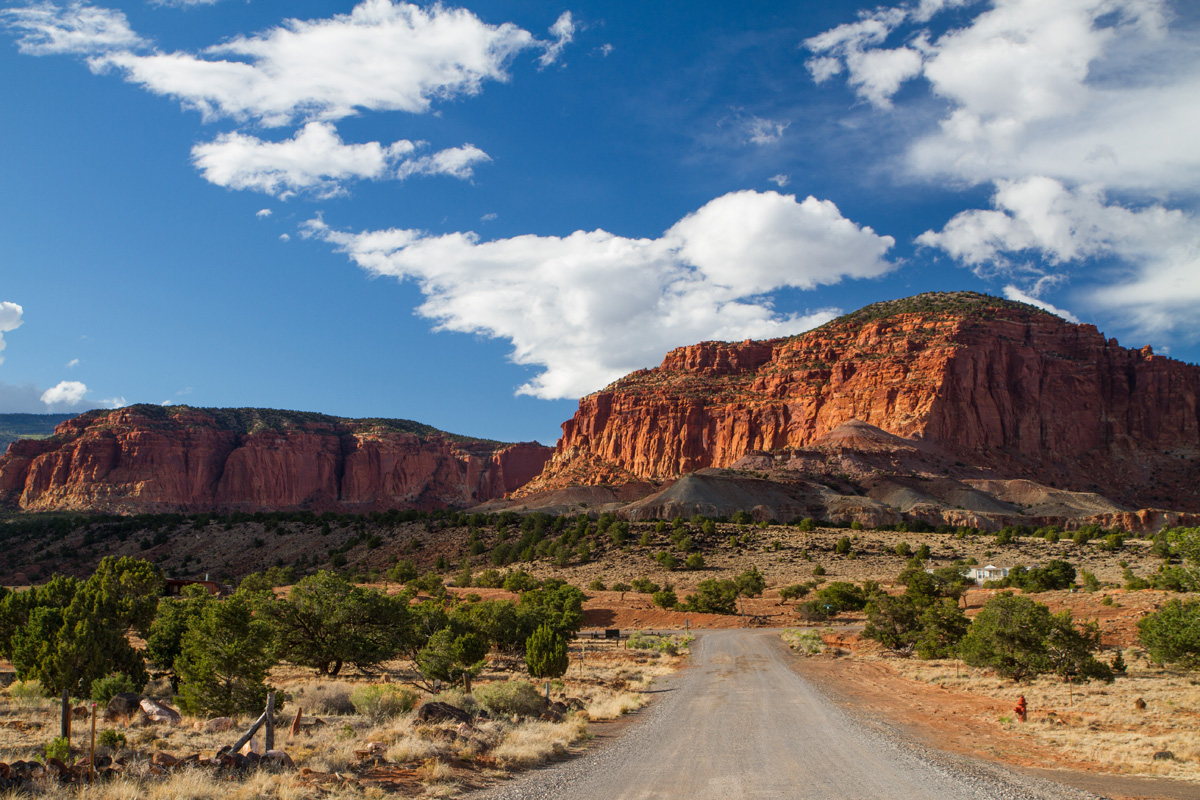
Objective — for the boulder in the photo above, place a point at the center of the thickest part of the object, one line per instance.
(277, 759)
(217, 725)
(122, 706)
(434, 711)
(157, 712)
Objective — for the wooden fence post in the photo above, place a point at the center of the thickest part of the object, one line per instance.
(269, 743)
(66, 715)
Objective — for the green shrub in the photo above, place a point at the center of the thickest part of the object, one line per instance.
(113, 740)
(104, 689)
(750, 583)
(644, 586)
(26, 690)
(806, 643)
(59, 747)
(694, 561)
(843, 546)
(383, 701)
(793, 592)
(818, 570)
(597, 585)
(505, 698)
(665, 598)
(621, 587)
(1171, 635)
(650, 641)
(546, 653)
(903, 549)
(713, 596)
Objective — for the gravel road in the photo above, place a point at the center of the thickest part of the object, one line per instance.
(739, 724)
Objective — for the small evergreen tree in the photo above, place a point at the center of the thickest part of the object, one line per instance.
(224, 659)
(546, 653)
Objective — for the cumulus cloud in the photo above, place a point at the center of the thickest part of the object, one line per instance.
(47, 29)
(10, 320)
(262, 213)
(591, 306)
(183, 3)
(66, 393)
(382, 56)
(563, 31)
(115, 402)
(1060, 107)
(1156, 275)
(315, 160)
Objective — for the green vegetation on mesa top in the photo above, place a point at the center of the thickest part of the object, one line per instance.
(934, 303)
(28, 426)
(256, 420)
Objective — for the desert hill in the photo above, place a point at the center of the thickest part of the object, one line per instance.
(146, 459)
(954, 408)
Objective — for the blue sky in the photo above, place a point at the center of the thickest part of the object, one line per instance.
(472, 215)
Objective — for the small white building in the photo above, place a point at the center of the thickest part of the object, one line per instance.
(982, 575)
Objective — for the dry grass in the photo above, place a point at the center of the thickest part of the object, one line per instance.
(1095, 722)
(607, 683)
(534, 742)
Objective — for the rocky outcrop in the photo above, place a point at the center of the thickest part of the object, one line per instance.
(994, 384)
(153, 459)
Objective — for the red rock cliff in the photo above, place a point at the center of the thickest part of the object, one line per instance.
(995, 383)
(151, 459)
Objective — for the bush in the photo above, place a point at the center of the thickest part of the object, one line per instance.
(104, 689)
(510, 697)
(25, 690)
(713, 596)
(644, 586)
(843, 546)
(694, 561)
(546, 653)
(650, 641)
(1171, 635)
(750, 583)
(621, 587)
(665, 598)
(943, 625)
(818, 570)
(113, 740)
(59, 747)
(224, 660)
(903, 549)
(793, 592)
(383, 701)
(597, 585)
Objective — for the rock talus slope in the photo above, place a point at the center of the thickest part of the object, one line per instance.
(992, 384)
(151, 459)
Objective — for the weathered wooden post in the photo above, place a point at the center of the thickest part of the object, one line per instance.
(66, 715)
(92, 749)
(269, 743)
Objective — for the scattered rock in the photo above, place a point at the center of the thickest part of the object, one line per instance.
(1164, 755)
(164, 759)
(433, 711)
(122, 706)
(217, 725)
(157, 712)
(79, 712)
(1139, 704)
(277, 759)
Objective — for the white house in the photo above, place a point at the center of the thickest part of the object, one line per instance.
(982, 575)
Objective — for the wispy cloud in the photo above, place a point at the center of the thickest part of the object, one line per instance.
(45, 29)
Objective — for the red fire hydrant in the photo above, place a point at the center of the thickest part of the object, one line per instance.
(1020, 708)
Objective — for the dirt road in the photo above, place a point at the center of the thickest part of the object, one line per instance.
(739, 724)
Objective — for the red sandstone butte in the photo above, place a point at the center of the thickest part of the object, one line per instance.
(145, 459)
(994, 383)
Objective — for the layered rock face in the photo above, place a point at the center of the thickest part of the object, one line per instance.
(995, 384)
(152, 459)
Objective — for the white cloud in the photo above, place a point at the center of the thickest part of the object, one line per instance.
(382, 56)
(780, 180)
(1014, 293)
(66, 393)
(489, 217)
(761, 131)
(283, 237)
(592, 306)
(876, 74)
(315, 160)
(563, 31)
(262, 213)
(183, 3)
(115, 402)
(457, 162)
(76, 29)
(10, 320)
(74, 362)
(1062, 107)
(1155, 282)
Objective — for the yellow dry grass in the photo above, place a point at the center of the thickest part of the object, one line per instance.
(1095, 722)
